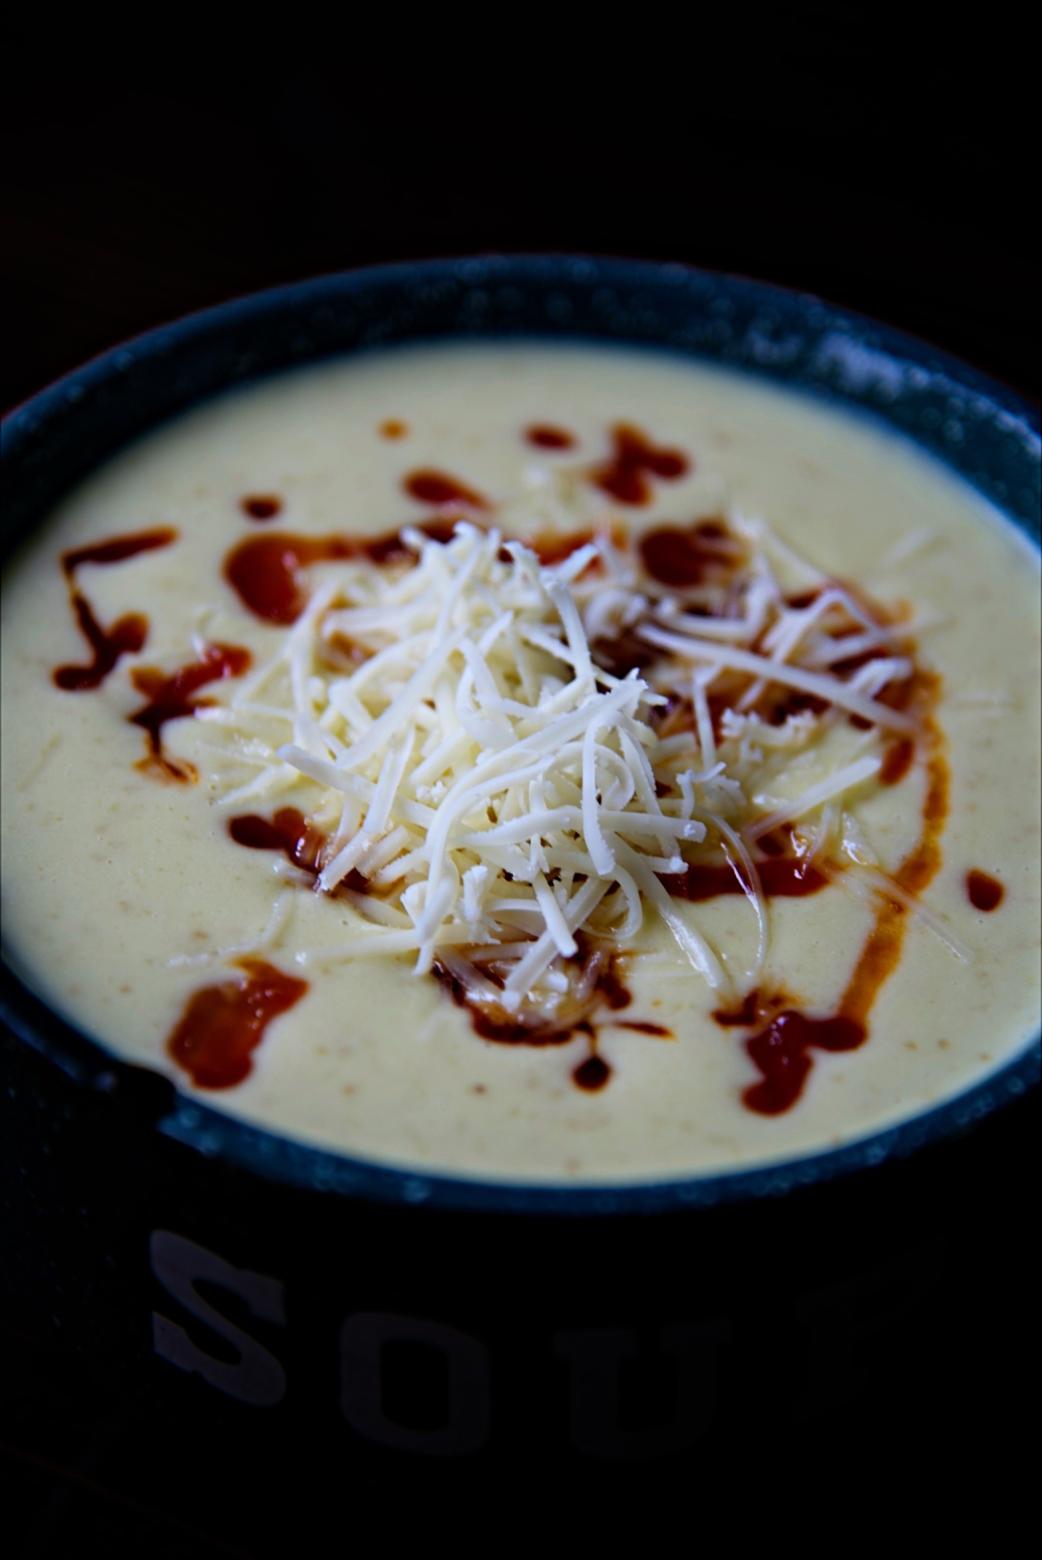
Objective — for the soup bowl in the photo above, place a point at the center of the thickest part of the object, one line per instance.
(232, 1279)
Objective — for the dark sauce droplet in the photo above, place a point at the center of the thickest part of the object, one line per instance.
(267, 572)
(607, 989)
(551, 549)
(495, 1024)
(742, 1017)
(781, 877)
(897, 761)
(119, 548)
(288, 831)
(127, 636)
(612, 990)
(633, 461)
(437, 487)
(682, 555)
(985, 892)
(794, 703)
(393, 428)
(783, 1045)
(546, 436)
(129, 633)
(390, 550)
(623, 652)
(298, 840)
(222, 1025)
(172, 696)
(781, 1052)
(262, 506)
(592, 1074)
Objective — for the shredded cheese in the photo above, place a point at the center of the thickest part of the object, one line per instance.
(488, 791)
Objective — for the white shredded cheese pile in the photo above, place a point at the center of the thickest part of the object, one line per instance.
(488, 791)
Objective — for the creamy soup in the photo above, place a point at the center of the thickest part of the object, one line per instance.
(701, 832)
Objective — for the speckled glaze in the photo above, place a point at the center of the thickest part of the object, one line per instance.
(980, 429)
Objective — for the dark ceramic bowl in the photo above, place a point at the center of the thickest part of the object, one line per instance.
(979, 428)
(212, 1271)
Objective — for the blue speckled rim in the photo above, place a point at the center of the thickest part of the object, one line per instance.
(983, 430)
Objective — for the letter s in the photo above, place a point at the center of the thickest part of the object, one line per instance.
(179, 1264)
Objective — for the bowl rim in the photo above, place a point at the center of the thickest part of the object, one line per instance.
(189, 1120)
(240, 304)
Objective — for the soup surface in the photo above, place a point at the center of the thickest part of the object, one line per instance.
(163, 845)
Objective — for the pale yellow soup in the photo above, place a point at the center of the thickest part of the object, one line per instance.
(112, 880)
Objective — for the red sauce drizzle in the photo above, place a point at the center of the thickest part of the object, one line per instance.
(620, 652)
(634, 459)
(781, 1052)
(742, 1017)
(129, 633)
(118, 549)
(298, 840)
(776, 843)
(897, 761)
(223, 1025)
(782, 1049)
(794, 703)
(171, 697)
(592, 1074)
(267, 571)
(781, 877)
(551, 549)
(683, 555)
(985, 892)
(547, 437)
(497, 1025)
(390, 549)
(261, 506)
(288, 831)
(611, 989)
(437, 487)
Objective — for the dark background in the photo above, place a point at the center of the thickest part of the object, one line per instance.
(833, 149)
(152, 172)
